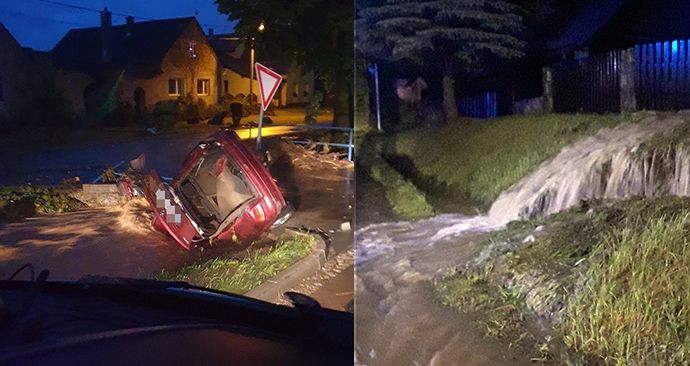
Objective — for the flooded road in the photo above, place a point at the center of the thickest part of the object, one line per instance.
(398, 320)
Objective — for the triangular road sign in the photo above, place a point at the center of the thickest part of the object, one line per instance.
(269, 81)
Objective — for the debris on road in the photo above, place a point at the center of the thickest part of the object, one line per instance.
(71, 181)
(99, 195)
(309, 157)
(332, 268)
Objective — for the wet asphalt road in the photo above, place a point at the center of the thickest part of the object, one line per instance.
(50, 167)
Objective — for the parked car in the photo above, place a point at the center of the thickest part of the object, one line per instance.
(222, 193)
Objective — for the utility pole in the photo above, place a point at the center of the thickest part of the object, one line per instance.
(251, 69)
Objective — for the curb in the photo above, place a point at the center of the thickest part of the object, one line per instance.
(273, 288)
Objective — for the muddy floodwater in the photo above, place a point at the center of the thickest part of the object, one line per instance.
(398, 320)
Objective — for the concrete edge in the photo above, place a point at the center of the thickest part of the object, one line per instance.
(273, 288)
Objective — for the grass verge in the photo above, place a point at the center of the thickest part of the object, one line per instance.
(611, 277)
(407, 202)
(478, 159)
(239, 276)
(26, 201)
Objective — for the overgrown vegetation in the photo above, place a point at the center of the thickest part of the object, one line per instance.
(38, 112)
(405, 199)
(25, 201)
(313, 108)
(612, 277)
(241, 275)
(478, 159)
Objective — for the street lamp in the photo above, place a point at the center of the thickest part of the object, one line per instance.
(251, 62)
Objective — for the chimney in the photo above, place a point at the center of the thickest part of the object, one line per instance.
(129, 23)
(210, 31)
(106, 25)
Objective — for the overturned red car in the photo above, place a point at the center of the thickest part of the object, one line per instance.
(222, 193)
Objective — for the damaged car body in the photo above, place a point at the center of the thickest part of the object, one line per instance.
(222, 193)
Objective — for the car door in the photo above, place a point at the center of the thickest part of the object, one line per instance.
(170, 213)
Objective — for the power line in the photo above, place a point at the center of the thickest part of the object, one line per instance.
(83, 8)
(90, 9)
(36, 17)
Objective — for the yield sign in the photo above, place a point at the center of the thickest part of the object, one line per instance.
(269, 81)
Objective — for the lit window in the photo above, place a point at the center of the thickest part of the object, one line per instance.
(203, 86)
(175, 87)
(305, 92)
(295, 89)
(225, 86)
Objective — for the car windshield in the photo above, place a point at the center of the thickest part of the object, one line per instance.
(215, 188)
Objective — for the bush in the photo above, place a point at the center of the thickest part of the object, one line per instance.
(25, 201)
(122, 115)
(165, 114)
(39, 105)
(408, 116)
(191, 113)
(213, 110)
(312, 109)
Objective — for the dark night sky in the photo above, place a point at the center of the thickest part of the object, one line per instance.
(40, 24)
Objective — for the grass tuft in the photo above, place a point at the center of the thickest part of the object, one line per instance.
(611, 277)
(240, 276)
(636, 307)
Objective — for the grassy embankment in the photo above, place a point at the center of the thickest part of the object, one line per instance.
(406, 201)
(473, 161)
(241, 275)
(612, 278)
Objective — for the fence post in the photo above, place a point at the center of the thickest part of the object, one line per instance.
(349, 147)
(627, 80)
(547, 82)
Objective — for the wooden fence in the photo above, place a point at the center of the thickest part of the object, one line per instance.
(662, 78)
(656, 78)
(588, 85)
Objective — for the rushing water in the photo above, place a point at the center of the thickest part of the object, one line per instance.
(610, 164)
(398, 322)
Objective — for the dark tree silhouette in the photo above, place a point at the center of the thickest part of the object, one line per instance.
(317, 34)
(459, 36)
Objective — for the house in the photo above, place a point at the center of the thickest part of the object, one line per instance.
(235, 58)
(140, 63)
(622, 56)
(12, 59)
(605, 25)
(608, 56)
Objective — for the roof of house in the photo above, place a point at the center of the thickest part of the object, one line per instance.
(611, 24)
(138, 48)
(586, 23)
(8, 35)
(234, 54)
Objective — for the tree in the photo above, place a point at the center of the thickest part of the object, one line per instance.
(459, 36)
(316, 34)
(39, 105)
